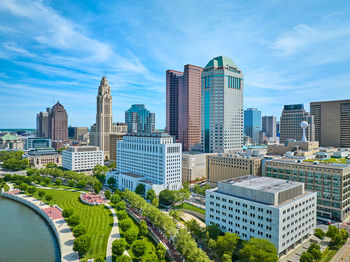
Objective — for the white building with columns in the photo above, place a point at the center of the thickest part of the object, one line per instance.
(255, 207)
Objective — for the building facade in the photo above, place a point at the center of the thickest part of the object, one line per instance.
(194, 166)
(154, 156)
(174, 80)
(332, 122)
(42, 124)
(225, 166)
(260, 207)
(101, 130)
(292, 116)
(36, 143)
(39, 158)
(139, 119)
(58, 123)
(222, 106)
(118, 134)
(82, 158)
(269, 126)
(330, 181)
(10, 141)
(252, 123)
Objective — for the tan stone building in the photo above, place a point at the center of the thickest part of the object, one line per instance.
(194, 166)
(330, 181)
(119, 130)
(225, 166)
(299, 147)
(332, 122)
(41, 157)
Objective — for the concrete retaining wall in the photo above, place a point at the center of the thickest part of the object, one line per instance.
(41, 212)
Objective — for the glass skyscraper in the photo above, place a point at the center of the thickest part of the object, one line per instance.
(222, 106)
(139, 119)
(252, 123)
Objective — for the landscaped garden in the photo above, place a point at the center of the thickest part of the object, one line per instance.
(97, 220)
(187, 206)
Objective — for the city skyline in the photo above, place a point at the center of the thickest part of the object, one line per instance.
(70, 46)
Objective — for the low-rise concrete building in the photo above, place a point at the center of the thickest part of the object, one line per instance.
(260, 207)
(225, 166)
(194, 166)
(82, 158)
(330, 181)
(41, 157)
(37, 143)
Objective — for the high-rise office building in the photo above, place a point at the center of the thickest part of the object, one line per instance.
(42, 125)
(292, 116)
(269, 126)
(100, 131)
(332, 122)
(58, 123)
(222, 106)
(173, 82)
(252, 123)
(139, 119)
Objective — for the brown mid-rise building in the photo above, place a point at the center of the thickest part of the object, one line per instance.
(226, 166)
(184, 105)
(119, 130)
(332, 122)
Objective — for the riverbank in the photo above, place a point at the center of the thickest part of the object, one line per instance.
(54, 218)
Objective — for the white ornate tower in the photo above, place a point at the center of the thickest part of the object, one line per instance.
(104, 118)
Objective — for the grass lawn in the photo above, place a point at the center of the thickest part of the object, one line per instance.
(98, 220)
(190, 207)
(328, 254)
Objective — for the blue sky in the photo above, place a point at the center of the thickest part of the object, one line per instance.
(289, 52)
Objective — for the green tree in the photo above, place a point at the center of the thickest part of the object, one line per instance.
(131, 234)
(125, 224)
(226, 244)
(41, 193)
(115, 199)
(143, 228)
(182, 195)
(213, 231)
(155, 202)
(196, 230)
(123, 258)
(119, 246)
(139, 247)
(81, 184)
(97, 187)
(319, 233)
(227, 257)
(61, 149)
(112, 165)
(343, 234)
(51, 165)
(79, 230)
(140, 190)
(58, 182)
(315, 251)
(31, 190)
(99, 259)
(161, 251)
(120, 206)
(186, 185)
(175, 214)
(82, 245)
(73, 220)
(67, 212)
(332, 231)
(258, 250)
(122, 214)
(15, 164)
(47, 180)
(111, 181)
(100, 172)
(23, 186)
(306, 257)
(48, 198)
(71, 183)
(336, 241)
(166, 197)
(108, 194)
(151, 194)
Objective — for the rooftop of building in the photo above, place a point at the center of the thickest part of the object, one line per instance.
(232, 155)
(311, 163)
(42, 151)
(132, 175)
(155, 134)
(221, 61)
(265, 184)
(9, 137)
(331, 101)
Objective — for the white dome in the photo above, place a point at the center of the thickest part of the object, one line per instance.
(304, 124)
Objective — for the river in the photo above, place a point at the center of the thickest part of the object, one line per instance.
(24, 235)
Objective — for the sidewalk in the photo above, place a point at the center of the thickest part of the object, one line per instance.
(113, 235)
(343, 254)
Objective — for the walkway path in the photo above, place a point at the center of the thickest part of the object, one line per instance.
(113, 235)
(343, 254)
(56, 221)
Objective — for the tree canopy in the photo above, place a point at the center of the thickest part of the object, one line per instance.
(258, 250)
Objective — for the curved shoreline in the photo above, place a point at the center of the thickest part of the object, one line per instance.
(63, 236)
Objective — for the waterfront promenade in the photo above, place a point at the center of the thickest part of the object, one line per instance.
(53, 215)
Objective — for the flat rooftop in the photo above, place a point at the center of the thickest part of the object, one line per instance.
(264, 184)
(310, 163)
(155, 134)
